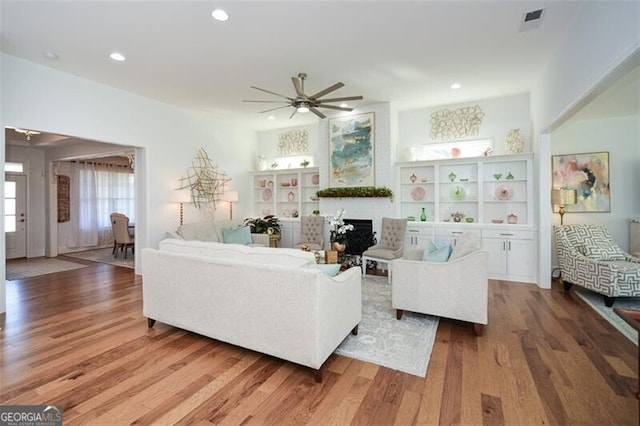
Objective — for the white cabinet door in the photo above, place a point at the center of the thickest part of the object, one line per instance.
(521, 259)
(497, 249)
(286, 234)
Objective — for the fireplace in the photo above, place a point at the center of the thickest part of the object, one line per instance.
(361, 238)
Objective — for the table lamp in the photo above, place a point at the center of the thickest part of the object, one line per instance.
(563, 197)
(231, 197)
(181, 198)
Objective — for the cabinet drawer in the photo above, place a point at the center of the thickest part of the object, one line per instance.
(456, 232)
(508, 233)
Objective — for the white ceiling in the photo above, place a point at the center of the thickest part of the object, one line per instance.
(407, 53)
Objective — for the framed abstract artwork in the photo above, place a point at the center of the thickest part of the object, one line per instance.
(351, 151)
(588, 174)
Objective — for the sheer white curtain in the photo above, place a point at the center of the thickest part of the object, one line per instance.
(98, 190)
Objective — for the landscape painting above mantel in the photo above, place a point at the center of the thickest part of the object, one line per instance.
(351, 155)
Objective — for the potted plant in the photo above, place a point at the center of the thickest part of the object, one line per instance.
(265, 225)
(339, 231)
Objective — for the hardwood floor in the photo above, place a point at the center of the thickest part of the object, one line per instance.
(78, 339)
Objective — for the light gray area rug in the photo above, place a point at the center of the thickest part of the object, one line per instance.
(26, 268)
(104, 255)
(596, 301)
(403, 345)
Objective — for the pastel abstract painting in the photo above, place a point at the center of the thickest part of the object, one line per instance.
(351, 142)
(588, 174)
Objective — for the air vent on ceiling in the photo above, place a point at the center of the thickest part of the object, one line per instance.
(531, 20)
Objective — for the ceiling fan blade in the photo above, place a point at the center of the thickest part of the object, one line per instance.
(273, 109)
(269, 102)
(327, 90)
(298, 85)
(316, 112)
(335, 107)
(346, 98)
(272, 93)
(293, 113)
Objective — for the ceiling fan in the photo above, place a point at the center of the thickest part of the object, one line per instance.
(304, 103)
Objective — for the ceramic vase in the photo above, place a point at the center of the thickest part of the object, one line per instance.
(338, 246)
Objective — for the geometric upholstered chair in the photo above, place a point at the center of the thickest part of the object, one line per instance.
(121, 238)
(590, 258)
(312, 232)
(390, 247)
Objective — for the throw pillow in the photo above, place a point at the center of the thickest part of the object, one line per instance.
(467, 243)
(438, 251)
(237, 235)
(330, 269)
(603, 251)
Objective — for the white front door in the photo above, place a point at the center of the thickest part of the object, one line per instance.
(15, 216)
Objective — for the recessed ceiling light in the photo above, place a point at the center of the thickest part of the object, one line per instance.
(343, 105)
(271, 117)
(220, 15)
(117, 56)
(50, 56)
(456, 86)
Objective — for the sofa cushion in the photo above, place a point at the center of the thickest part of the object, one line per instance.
(199, 231)
(241, 253)
(466, 244)
(237, 235)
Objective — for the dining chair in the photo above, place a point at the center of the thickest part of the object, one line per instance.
(121, 238)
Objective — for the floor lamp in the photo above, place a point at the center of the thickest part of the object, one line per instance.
(563, 197)
(231, 197)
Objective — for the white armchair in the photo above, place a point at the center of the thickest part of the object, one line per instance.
(456, 289)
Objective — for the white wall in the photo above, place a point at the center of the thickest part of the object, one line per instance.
(602, 36)
(500, 116)
(620, 137)
(41, 98)
(34, 161)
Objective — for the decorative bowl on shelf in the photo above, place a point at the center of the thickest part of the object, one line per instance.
(285, 184)
(497, 176)
(464, 179)
(411, 218)
(446, 220)
(497, 220)
(314, 198)
(458, 193)
(504, 193)
(468, 219)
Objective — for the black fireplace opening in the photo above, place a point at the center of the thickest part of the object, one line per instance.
(361, 238)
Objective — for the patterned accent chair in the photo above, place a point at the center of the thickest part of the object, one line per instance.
(590, 258)
(390, 247)
(312, 232)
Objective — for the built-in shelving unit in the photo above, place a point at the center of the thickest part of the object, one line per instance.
(286, 193)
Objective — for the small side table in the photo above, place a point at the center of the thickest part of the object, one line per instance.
(632, 317)
(274, 241)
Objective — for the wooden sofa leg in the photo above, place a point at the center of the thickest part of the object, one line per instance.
(399, 313)
(567, 286)
(150, 322)
(355, 331)
(317, 374)
(608, 301)
(478, 329)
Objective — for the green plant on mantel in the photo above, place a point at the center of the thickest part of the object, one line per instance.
(357, 192)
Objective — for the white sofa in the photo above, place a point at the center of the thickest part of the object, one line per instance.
(456, 289)
(212, 231)
(271, 300)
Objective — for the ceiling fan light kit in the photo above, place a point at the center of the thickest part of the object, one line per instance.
(304, 103)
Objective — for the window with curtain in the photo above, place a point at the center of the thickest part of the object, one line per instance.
(99, 189)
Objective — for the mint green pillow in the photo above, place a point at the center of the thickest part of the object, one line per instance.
(237, 235)
(437, 252)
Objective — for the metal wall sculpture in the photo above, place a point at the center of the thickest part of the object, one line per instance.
(456, 124)
(204, 181)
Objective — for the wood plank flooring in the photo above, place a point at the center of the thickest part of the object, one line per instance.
(78, 339)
